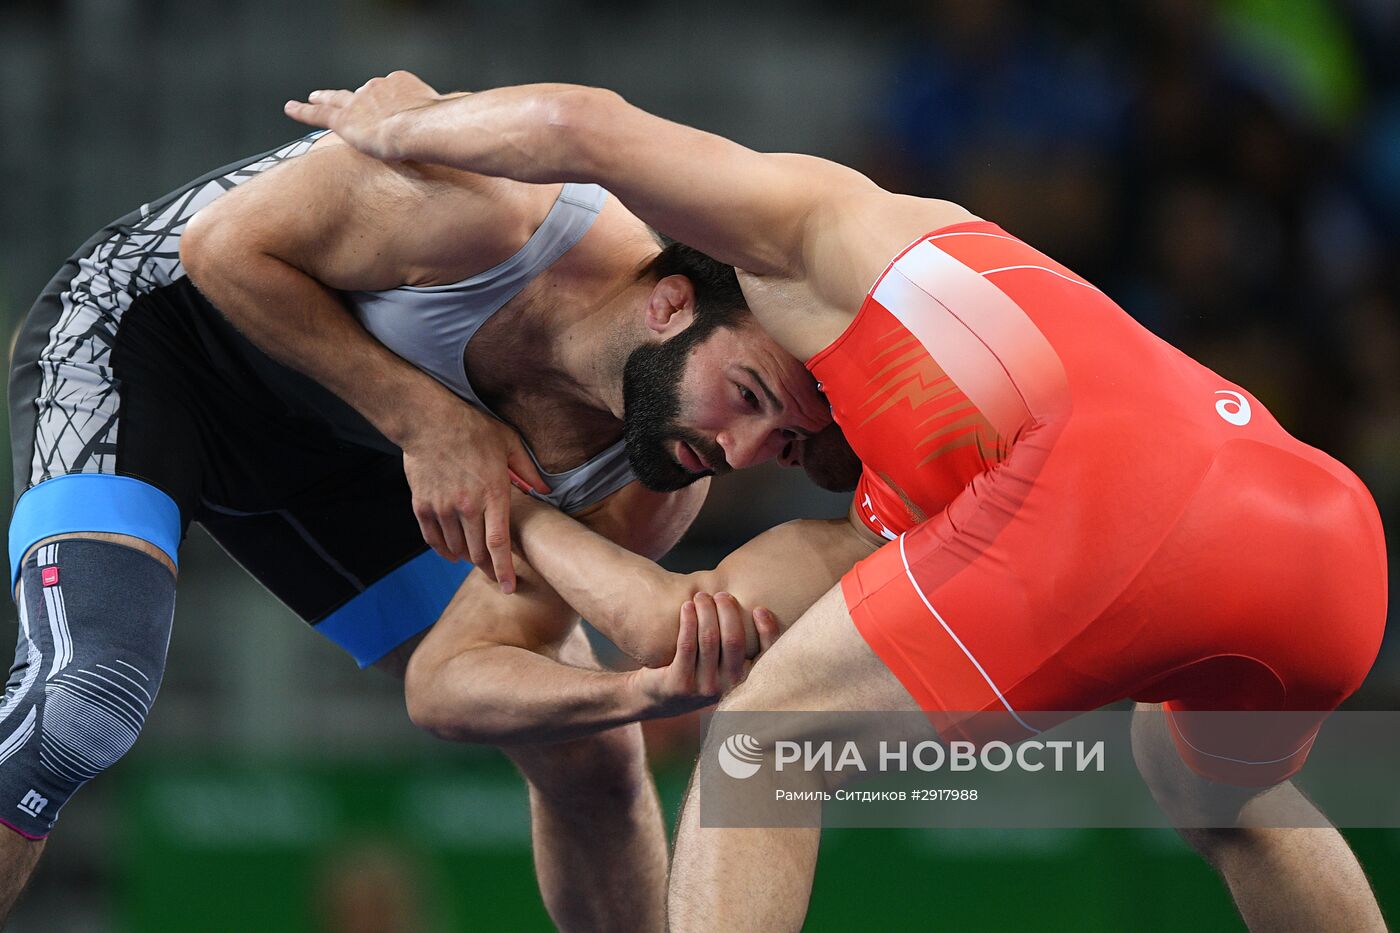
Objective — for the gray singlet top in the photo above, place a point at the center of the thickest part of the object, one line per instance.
(431, 325)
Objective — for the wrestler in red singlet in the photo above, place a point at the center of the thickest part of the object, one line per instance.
(1080, 513)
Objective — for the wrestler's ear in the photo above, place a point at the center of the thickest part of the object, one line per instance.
(671, 306)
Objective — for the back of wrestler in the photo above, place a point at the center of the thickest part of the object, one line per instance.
(1055, 455)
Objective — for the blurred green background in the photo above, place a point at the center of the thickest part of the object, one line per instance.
(1228, 171)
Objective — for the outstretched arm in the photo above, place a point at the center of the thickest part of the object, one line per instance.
(750, 209)
(633, 600)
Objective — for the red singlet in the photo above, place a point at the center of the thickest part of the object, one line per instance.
(1079, 513)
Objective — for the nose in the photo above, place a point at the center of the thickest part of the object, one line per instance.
(747, 446)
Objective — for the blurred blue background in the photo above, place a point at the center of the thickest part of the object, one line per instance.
(1228, 171)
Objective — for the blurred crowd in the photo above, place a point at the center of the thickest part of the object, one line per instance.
(1228, 171)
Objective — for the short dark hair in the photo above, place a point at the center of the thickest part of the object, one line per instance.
(719, 301)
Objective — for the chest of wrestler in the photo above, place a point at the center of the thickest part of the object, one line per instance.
(511, 363)
(918, 435)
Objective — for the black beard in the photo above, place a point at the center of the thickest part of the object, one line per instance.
(651, 405)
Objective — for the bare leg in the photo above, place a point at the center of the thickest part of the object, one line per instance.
(1281, 879)
(18, 856)
(599, 840)
(761, 879)
(595, 821)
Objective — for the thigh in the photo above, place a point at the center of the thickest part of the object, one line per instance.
(821, 663)
(344, 552)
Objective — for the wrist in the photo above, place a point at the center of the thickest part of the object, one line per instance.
(409, 133)
(639, 702)
(420, 410)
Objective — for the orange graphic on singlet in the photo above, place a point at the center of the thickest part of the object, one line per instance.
(946, 419)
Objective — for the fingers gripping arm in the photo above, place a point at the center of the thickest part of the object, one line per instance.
(633, 600)
(514, 669)
(495, 670)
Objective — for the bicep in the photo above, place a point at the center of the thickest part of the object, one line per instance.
(347, 221)
(749, 209)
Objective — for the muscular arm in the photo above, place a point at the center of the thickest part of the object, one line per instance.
(770, 214)
(633, 600)
(272, 256)
(507, 670)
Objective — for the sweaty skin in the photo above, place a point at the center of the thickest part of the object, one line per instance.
(810, 236)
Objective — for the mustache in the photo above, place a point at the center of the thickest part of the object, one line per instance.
(709, 450)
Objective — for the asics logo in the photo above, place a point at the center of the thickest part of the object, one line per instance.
(1234, 409)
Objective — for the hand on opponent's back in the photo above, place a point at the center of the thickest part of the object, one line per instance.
(366, 118)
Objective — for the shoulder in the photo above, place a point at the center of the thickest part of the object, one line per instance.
(368, 224)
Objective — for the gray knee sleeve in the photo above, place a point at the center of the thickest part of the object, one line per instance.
(94, 626)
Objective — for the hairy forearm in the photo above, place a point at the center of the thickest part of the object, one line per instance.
(304, 325)
(634, 601)
(630, 599)
(484, 695)
(538, 133)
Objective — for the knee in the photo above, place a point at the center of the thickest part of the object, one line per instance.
(68, 730)
(93, 714)
(604, 770)
(1204, 812)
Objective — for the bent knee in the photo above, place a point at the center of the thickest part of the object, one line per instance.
(609, 766)
(94, 627)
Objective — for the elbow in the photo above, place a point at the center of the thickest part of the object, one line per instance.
(430, 709)
(196, 245)
(659, 651)
(646, 636)
(425, 712)
(206, 246)
(578, 119)
(655, 617)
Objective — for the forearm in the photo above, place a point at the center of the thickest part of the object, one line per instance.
(304, 325)
(532, 133)
(506, 695)
(752, 210)
(633, 600)
(630, 599)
